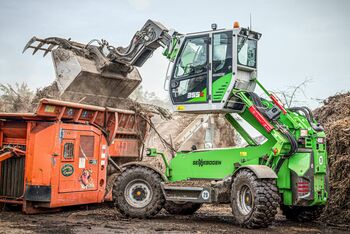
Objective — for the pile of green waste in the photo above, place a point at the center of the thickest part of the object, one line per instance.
(334, 115)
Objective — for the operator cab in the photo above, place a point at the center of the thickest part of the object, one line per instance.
(209, 65)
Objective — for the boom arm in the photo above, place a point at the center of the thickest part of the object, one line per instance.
(145, 41)
(100, 69)
(151, 36)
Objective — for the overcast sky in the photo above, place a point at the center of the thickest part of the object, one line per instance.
(301, 39)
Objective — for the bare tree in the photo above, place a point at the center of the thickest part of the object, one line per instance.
(290, 96)
(15, 99)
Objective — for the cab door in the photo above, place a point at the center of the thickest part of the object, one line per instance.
(79, 161)
(189, 80)
(221, 64)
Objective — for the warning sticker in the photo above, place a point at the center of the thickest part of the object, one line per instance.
(49, 109)
(81, 162)
(67, 170)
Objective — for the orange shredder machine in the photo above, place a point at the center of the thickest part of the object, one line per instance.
(58, 156)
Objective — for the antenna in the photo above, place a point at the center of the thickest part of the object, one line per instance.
(250, 21)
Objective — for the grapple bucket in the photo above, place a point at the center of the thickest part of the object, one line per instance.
(98, 70)
(79, 77)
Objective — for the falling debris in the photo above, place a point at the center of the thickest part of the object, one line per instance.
(52, 92)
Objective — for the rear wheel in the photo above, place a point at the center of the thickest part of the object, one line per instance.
(181, 208)
(137, 192)
(254, 201)
(301, 213)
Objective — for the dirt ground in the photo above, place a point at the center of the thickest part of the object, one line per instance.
(102, 219)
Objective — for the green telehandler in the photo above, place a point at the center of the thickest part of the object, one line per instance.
(209, 72)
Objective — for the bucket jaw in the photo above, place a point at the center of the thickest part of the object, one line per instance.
(78, 76)
(84, 71)
(98, 68)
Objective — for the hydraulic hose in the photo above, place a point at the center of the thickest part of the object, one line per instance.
(256, 99)
(309, 116)
(304, 111)
(293, 147)
(293, 143)
(318, 127)
(257, 102)
(310, 112)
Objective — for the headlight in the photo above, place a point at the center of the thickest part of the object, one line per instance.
(303, 132)
(321, 140)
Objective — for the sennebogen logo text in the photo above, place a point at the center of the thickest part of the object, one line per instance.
(201, 162)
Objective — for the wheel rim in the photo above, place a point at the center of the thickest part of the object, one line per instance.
(138, 193)
(245, 200)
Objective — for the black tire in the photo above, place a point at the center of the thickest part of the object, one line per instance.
(254, 201)
(186, 208)
(137, 192)
(302, 213)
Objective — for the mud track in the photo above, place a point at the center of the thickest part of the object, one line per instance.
(102, 219)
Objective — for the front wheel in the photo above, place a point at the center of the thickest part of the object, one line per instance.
(254, 201)
(181, 208)
(137, 193)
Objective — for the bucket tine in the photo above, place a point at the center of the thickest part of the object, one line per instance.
(51, 42)
(30, 42)
(38, 47)
(49, 49)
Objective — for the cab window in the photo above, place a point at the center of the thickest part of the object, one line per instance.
(190, 75)
(222, 64)
(68, 150)
(247, 51)
(222, 53)
(193, 59)
(86, 146)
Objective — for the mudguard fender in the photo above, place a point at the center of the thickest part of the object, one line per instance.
(261, 171)
(165, 179)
